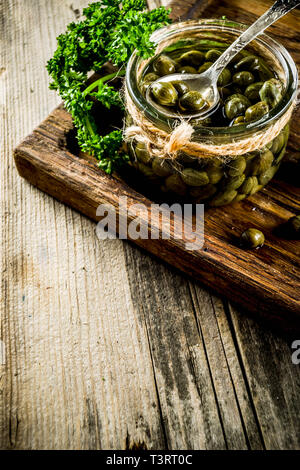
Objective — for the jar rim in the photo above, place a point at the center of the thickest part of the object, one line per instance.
(275, 48)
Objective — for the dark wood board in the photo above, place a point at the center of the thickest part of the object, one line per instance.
(264, 281)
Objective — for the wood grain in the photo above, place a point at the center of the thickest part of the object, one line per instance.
(88, 327)
(265, 281)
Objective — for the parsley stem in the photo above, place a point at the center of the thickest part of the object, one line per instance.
(104, 79)
(89, 126)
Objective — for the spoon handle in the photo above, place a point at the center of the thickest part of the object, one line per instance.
(279, 9)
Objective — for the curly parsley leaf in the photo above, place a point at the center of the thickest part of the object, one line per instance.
(110, 32)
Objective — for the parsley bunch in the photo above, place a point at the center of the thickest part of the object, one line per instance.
(110, 32)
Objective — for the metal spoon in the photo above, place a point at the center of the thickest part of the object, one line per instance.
(206, 82)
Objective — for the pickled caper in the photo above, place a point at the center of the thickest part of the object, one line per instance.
(279, 156)
(252, 91)
(141, 153)
(212, 55)
(262, 70)
(267, 175)
(204, 67)
(252, 238)
(194, 58)
(224, 92)
(256, 187)
(222, 198)
(236, 105)
(164, 93)
(262, 162)
(192, 101)
(224, 77)
(150, 77)
(256, 111)
(164, 65)
(181, 87)
(215, 174)
(271, 92)
(233, 182)
(146, 170)
(161, 167)
(175, 183)
(194, 177)
(237, 166)
(277, 143)
(243, 78)
(246, 63)
(248, 185)
(239, 197)
(238, 121)
(187, 69)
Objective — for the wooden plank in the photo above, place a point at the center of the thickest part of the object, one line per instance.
(265, 281)
(70, 317)
(203, 398)
(273, 381)
(78, 372)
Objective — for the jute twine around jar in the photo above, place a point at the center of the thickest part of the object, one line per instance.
(168, 145)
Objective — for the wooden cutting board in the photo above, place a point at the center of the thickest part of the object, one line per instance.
(264, 281)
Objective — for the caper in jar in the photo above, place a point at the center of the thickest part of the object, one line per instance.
(164, 65)
(238, 121)
(224, 77)
(262, 70)
(243, 78)
(164, 93)
(262, 162)
(148, 80)
(233, 182)
(252, 238)
(246, 63)
(194, 58)
(146, 170)
(181, 87)
(204, 67)
(271, 92)
(248, 185)
(187, 69)
(192, 101)
(256, 111)
(252, 91)
(212, 55)
(236, 166)
(214, 173)
(224, 197)
(150, 77)
(161, 167)
(277, 143)
(193, 177)
(267, 175)
(236, 105)
(175, 184)
(141, 153)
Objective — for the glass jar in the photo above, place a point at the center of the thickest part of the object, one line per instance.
(215, 181)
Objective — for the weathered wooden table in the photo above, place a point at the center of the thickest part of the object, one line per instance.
(106, 347)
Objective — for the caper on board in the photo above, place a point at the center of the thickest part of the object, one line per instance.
(294, 225)
(252, 238)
